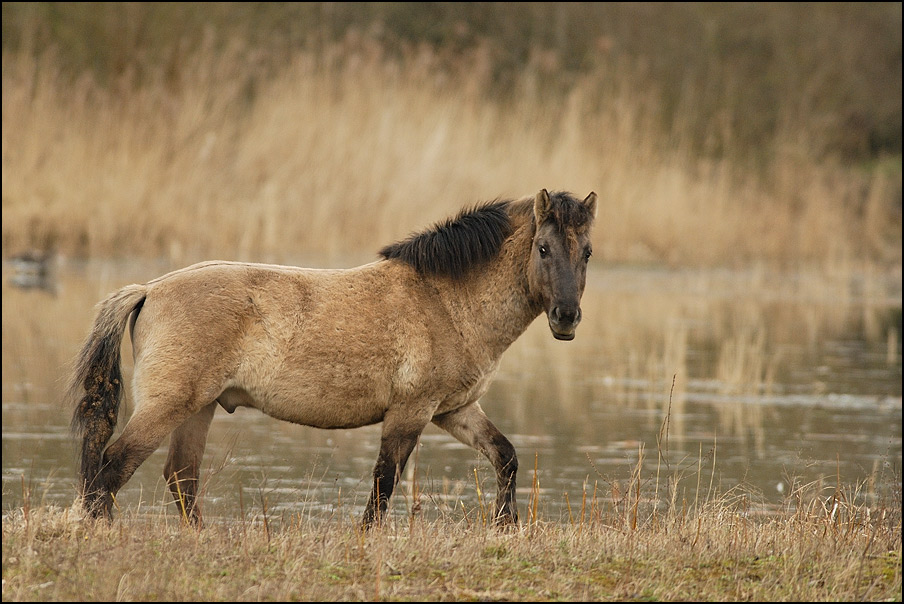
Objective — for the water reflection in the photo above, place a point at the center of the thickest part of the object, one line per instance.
(709, 380)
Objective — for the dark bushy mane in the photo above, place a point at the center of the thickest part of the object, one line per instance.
(452, 247)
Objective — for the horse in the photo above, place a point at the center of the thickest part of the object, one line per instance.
(411, 338)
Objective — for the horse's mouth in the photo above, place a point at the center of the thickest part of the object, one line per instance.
(562, 336)
(562, 332)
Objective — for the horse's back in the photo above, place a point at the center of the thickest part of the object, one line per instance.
(231, 308)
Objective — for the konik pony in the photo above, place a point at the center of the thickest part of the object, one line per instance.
(412, 338)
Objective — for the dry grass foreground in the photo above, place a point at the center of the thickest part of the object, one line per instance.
(825, 549)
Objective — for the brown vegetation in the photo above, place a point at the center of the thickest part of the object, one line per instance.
(620, 549)
(220, 145)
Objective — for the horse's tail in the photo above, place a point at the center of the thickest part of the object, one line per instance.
(97, 380)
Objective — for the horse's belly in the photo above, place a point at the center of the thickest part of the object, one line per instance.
(307, 408)
(330, 416)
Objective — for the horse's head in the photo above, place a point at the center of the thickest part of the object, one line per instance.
(559, 254)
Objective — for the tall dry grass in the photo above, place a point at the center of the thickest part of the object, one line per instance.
(825, 544)
(345, 149)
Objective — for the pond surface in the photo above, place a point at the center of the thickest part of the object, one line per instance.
(691, 384)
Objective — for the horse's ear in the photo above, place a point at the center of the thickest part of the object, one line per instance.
(541, 206)
(590, 202)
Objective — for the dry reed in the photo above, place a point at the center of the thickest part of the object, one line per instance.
(826, 544)
(344, 150)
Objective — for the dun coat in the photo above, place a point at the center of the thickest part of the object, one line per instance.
(410, 339)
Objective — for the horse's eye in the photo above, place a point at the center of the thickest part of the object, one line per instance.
(587, 253)
(543, 251)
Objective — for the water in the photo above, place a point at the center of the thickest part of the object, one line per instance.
(705, 383)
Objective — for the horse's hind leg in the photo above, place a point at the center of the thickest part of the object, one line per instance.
(471, 426)
(144, 432)
(183, 464)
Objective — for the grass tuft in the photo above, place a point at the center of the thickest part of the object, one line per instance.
(816, 548)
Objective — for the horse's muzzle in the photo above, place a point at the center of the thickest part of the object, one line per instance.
(563, 321)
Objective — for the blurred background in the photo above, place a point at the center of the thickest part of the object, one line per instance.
(742, 319)
(716, 134)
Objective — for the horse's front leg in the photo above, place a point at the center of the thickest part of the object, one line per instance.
(401, 429)
(471, 426)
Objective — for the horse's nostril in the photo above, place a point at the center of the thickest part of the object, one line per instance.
(566, 315)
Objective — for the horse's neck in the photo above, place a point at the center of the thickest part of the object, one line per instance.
(491, 304)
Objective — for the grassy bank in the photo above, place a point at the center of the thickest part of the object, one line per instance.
(824, 549)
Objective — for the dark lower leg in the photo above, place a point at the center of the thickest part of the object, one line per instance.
(386, 475)
(184, 491)
(141, 437)
(183, 464)
(119, 463)
(395, 448)
(505, 461)
(471, 426)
